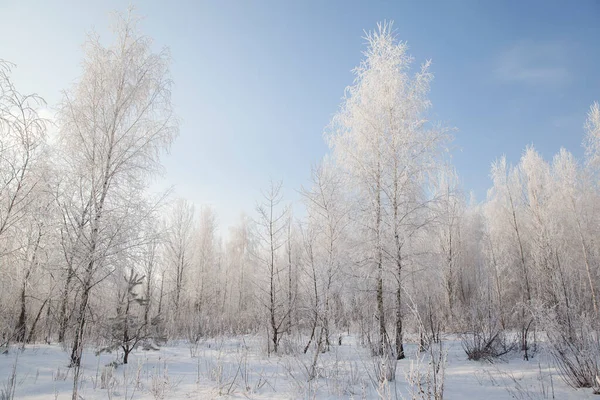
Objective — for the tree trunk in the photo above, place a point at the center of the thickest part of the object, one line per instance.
(379, 266)
(78, 339)
(148, 301)
(87, 286)
(35, 321)
(21, 326)
(587, 266)
(380, 312)
(527, 294)
(316, 305)
(126, 348)
(399, 345)
(160, 296)
(274, 329)
(64, 317)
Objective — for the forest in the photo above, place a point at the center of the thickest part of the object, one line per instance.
(386, 253)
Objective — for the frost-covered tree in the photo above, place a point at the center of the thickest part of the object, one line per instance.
(592, 138)
(22, 140)
(578, 199)
(239, 248)
(114, 124)
(448, 212)
(207, 282)
(506, 195)
(270, 230)
(24, 222)
(179, 251)
(323, 245)
(382, 140)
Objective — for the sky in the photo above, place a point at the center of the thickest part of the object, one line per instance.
(257, 82)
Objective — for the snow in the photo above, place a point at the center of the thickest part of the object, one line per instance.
(239, 368)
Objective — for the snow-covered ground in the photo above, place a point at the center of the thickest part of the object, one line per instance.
(239, 368)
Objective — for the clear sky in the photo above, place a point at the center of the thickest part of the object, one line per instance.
(256, 82)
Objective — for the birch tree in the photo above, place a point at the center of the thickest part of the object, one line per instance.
(115, 122)
(24, 219)
(507, 194)
(381, 139)
(449, 210)
(22, 139)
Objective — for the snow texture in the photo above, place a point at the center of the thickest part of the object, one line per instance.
(239, 368)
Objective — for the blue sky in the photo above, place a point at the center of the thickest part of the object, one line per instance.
(256, 82)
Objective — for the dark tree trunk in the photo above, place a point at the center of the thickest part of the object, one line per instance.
(64, 317)
(21, 327)
(35, 321)
(78, 339)
(379, 266)
(274, 328)
(381, 315)
(399, 344)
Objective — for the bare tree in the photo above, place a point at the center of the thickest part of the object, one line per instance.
(238, 250)
(178, 249)
(22, 136)
(270, 229)
(206, 280)
(505, 193)
(151, 259)
(23, 164)
(324, 240)
(449, 210)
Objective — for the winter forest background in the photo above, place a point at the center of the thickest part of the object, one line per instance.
(386, 250)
